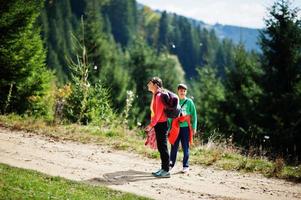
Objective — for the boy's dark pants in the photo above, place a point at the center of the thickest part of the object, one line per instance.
(184, 138)
(161, 137)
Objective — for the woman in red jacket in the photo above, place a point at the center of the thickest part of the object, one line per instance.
(159, 123)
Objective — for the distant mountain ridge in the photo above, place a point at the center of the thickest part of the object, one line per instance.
(248, 36)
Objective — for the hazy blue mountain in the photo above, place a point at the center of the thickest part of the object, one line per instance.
(248, 36)
(236, 33)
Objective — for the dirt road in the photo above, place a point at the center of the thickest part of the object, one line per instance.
(132, 173)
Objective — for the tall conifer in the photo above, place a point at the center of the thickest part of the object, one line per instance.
(24, 80)
(281, 43)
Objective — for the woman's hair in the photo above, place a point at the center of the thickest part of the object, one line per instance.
(157, 81)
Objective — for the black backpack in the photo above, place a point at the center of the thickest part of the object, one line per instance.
(171, 103)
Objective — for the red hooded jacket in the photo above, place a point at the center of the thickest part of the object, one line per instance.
(175, 129)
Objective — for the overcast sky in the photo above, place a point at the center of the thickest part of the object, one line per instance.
(247, 13)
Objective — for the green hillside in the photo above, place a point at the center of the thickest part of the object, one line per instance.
(88, 62)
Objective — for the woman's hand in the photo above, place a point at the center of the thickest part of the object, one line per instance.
(148, 128)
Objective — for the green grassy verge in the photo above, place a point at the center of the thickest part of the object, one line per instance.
(18, 183)
(235, 161)
(119, 138)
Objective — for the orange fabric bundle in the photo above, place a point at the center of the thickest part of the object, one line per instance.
(175, 129)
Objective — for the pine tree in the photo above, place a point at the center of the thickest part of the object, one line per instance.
(242, 95)
(175, 36)
(185, 50)
(224, 57)
(57, 22)
(105, 55)
(24, 80)
(87, 103)
(208, 92)
(123, 18)
(281, 43)
(149, 25)
(163, 32)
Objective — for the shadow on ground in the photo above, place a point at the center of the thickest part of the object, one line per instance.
(121, 177)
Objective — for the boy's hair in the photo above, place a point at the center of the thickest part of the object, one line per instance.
(182, 86)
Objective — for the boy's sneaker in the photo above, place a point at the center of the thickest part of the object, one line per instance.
(185, 170)
(163, 174)
(157, 172)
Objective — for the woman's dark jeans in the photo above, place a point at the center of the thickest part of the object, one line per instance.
(161, 137)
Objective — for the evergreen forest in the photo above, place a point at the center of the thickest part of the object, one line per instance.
(89, 61)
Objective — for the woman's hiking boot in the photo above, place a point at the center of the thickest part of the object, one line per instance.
(157, 172)
(162, 174)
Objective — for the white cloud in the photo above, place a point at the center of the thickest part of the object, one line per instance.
(247, 13)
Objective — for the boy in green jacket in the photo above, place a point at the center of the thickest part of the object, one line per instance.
(188, 108)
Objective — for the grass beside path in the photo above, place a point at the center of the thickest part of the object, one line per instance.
(18, 183)
(118, 137)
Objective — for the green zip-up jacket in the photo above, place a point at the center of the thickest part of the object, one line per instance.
(187, 109)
